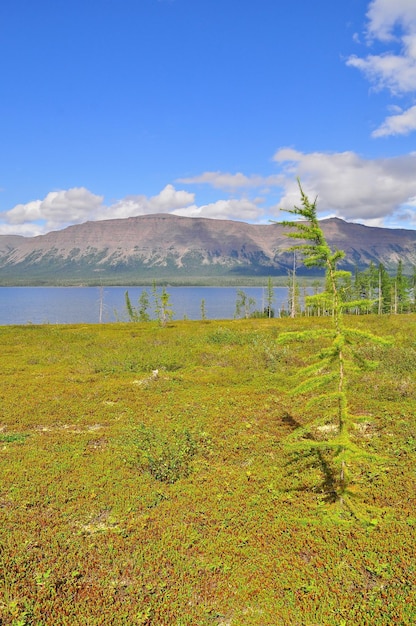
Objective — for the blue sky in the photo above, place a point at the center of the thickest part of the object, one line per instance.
(206, 108)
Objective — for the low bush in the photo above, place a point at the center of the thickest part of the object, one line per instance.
(166, 456)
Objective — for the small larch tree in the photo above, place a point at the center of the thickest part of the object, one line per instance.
(131, 310)
(138, 314)
(162, 305)
(203, 310)
(327, 375)
(268, 309)
(244, 304)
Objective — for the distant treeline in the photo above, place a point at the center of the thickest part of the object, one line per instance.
(387, 293)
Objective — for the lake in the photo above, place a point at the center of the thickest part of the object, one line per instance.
(90, 305)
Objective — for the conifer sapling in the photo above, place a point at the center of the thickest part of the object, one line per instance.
(330, 367)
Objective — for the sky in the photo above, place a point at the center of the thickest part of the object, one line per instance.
(206, 108)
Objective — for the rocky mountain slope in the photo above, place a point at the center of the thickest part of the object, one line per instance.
(167, 246)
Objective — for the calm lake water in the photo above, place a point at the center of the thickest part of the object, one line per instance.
(77, 305)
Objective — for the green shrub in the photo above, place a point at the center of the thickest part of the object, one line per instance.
(166, 456)
(223, 336)
(12, 437)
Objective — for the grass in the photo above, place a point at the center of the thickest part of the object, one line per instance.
(129, 497)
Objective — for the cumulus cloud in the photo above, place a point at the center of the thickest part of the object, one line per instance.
(395, 72)
(166, 201)
(392, 22)
(399, 124)
(233, 209)
(384, 15)
(30, 229)
(353, 188)
(57, 208)
(62, 208)
(74, 206)
(371, 191)
(347, 185)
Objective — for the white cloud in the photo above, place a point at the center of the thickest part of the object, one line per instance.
(29, 229)
(347, 185)
(57, 208)
(384, 15)
(234, 209)
(227, 181)
(219, 180)
(74, 206)
(22, 213)
(166, 201)
(395, 72)
(400, 124)
(372, 191)
(391, 22)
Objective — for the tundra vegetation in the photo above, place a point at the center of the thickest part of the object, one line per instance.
(146, 477)
(179, 473)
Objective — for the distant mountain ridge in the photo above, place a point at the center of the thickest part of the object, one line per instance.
(165, 245)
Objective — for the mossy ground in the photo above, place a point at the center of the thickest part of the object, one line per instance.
(234, 530)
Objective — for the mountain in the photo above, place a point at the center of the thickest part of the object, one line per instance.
(163, 246)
